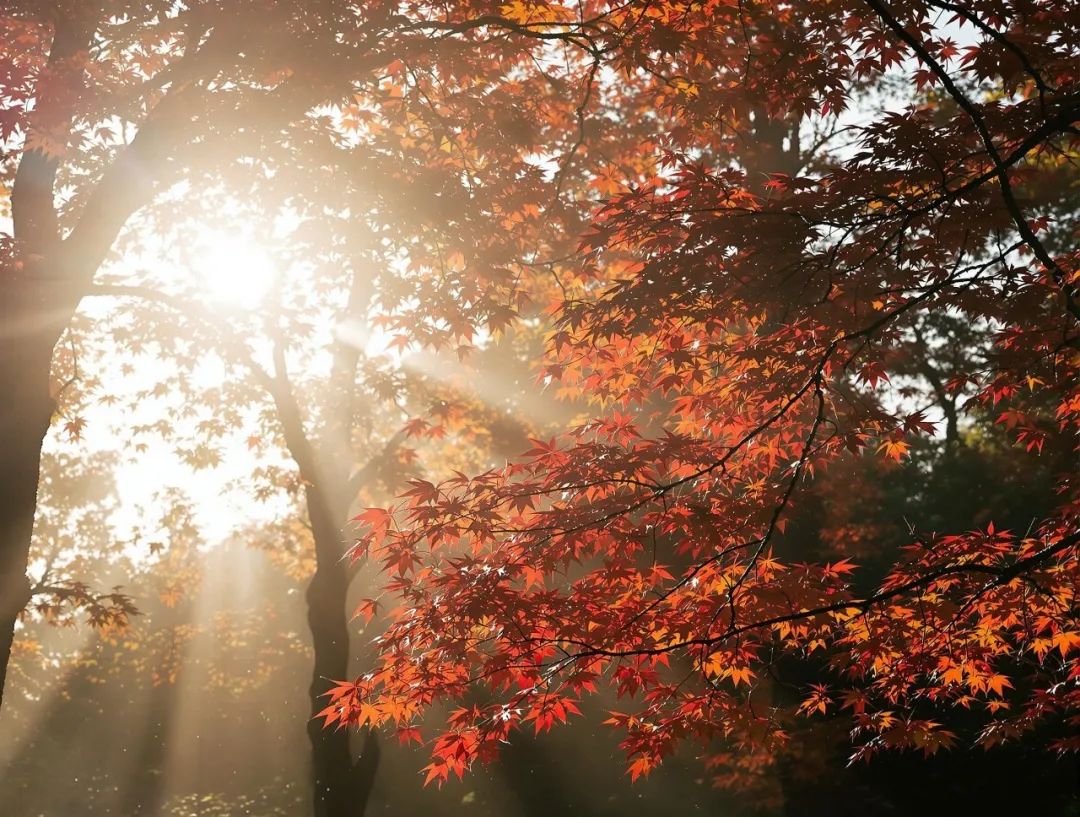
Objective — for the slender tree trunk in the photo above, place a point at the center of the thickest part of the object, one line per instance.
(341, 784)
(21, 432)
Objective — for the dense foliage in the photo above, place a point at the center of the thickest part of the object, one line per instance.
(837, 228)
(806, 271)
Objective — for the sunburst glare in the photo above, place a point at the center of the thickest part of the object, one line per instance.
(237, 270)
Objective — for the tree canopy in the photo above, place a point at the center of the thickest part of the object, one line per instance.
(735, 314)
(797, 284)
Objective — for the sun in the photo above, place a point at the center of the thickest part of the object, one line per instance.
(236, 270)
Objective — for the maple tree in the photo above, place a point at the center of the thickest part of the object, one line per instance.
(736, 312)
(741, 224)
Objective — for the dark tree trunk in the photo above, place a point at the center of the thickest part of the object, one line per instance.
(21, 430)
(342, 785)
(32, 318)
(34, 311)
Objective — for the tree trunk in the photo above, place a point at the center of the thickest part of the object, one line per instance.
(32, 318)
(33, 313)
(342, 786)
(22, 429)
(43, 282)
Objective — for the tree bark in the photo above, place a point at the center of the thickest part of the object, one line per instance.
(33, 314)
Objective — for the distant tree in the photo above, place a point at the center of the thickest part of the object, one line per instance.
(295, 379)
(819, 263)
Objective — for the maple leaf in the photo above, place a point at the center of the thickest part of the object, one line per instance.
(74, 428)
(366, 609)
(894, 449)
(409, 734)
